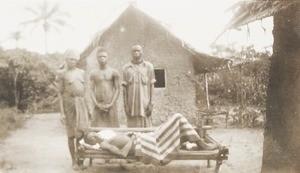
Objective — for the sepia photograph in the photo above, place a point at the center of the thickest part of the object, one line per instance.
(150, 86)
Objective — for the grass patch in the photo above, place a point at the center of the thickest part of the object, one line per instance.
(10, 119)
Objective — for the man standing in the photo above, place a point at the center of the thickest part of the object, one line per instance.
(139, 78)
(73, 108)
(105, 89)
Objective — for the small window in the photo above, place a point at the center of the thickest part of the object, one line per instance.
(160, 78)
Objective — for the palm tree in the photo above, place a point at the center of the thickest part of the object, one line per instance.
(48, 17)
(281, 150)
(16, 36)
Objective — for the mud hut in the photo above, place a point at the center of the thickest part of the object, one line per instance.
(172, 58)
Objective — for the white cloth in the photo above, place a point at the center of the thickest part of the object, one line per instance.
(107, 134)
(104, 134)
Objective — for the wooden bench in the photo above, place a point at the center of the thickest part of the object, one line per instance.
(217, 155)
(207, 116)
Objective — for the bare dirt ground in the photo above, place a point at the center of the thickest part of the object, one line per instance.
(41, 147)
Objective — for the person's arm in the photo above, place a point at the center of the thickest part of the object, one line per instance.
(92, 89)
(125, 98)
(87, 98)
(151, 87)
(60, 88)
(90, 147)
(152, 80)
(116, 88)
(123, 152)
(125, 93)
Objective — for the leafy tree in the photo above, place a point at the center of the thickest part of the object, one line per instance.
(281, 138)
(48, 17)
(29, 78)
(242, 86)
(246, 80)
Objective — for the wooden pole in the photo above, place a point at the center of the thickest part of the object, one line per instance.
(206, 90)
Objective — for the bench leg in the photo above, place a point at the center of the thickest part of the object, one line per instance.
(91, 161)
(218, 164)
(226, 119)
(208, 163)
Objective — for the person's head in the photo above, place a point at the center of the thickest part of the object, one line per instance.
(71, 58)
(136, 52)
(92, 138)
(102, 56)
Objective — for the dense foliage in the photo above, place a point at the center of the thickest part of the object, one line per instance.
(10, 119)
(27, 80)
(243, 85)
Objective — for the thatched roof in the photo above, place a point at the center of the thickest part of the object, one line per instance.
(248, 11)
(201, 61)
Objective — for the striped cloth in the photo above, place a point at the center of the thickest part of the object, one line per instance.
(163, 145)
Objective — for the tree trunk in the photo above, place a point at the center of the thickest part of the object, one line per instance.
(16, 92)
(46, 42)
(206, 91)
(17, 44)
(281, 150)
(46, 29)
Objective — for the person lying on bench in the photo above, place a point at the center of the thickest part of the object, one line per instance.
(158, 147)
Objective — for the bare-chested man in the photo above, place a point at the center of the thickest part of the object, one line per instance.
(105, 89)
(72, 103)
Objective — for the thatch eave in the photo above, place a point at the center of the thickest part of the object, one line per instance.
(248, 11)
(206, 64)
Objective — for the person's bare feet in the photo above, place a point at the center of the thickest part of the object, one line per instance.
(80, 162)
(76, 167)
(223, 150)
(209, 146)
(214, 146)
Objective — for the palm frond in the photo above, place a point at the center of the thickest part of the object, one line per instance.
(53, 10)
(36, 20)
(44, 8)
(63, 13)
(56, 29)
(31, 10)
(33, 28)
(60, 22)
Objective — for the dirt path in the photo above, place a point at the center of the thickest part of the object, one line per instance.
(245, 149)
(41, 147)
